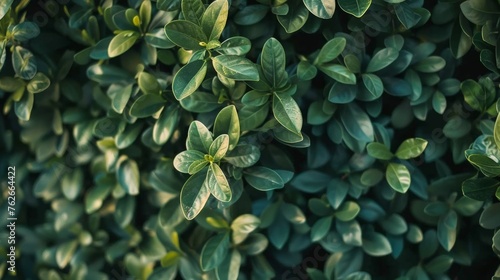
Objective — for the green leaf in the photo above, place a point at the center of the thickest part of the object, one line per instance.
(357, 123)
(341, 93)
(439, 102)
(214, 19)
(295, 18)
(336, 192)
(242, 226)
(321, 8)
(430, 64)
(439, 265)
(488, 166)
(165, 125)
(147, 105)
(23, 62)
(243, 156)
(25, 31)
(185, 34)
(227, 122)
(457, 127)
(306, 71)
(321, 228)
(218, 184)
(394, 224)
(480, 189)
(251, 14)
(476, 96)
(374, 87)
(382, 59)
(356, 8)
(490, 219)
(331, 50)
(293, 213)
(379, 151)
(189, 78)
(65, 252)
(122, 42)
(219, 147)
(128, 176)
(193, 10)
(4, 8)
(214, 251)
(398, 177)
(199, 138)
(273, 62)
(287, 112)
(411, 148)
(197, 166)
(235, 46)
(24, 106)
(376, 244)
(347, 211)
(235, 67)
(339, 73)
(184, 159)
(148, 83)
(107, 74)
(406, 15)
(263, 178)
(496, 131)
(447, 230)
(194, 195)
(229, 269)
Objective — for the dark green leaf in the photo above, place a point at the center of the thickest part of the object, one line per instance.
(356, 8)
(339, 73)
(263, 178)
(214, 251)
(185, 34)
(128, 176)
(376, 244)
(382, 59)
(480, 189)
(321, 8)
(189, 78)
(194, 195)
(331, 50)
(147, 105)
(272, 60)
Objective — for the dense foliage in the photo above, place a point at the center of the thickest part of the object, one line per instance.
(284, 139)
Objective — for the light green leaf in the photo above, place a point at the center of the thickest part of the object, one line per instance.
(235, 67)
(287, 112)
(411, 148)
(227, 122)
(122, 42)
(128, 175)
(4, 8)
(184, 159)
(398, 177)
(219, 147)
(214, 19)
(430, 64)
(242, 226)
(199, 138)
(321, 8)
(218, 184)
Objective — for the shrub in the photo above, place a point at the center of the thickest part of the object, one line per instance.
(185, 139)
